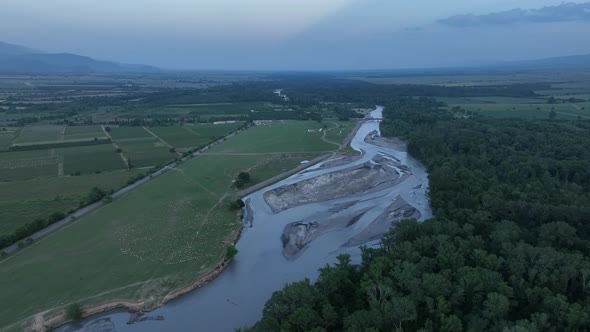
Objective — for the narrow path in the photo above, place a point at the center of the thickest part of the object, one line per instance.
(125, 161)
(327, 140)
(194, 181)
(161, 140)
(60, 168)
(60, 162)
(190, 130)
(574, 115)
(15, 135)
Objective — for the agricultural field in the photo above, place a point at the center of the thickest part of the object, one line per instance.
(140, 147)
(190, 136)
(90, 159)
(6, 137)
(39, 133)
(20, 165)
(24, 201)
(146, 152)
(79, 132)
(287, 137)
(157, 238)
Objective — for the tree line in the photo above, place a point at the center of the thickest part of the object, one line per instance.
(507, 250)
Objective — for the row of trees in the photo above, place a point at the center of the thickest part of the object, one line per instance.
(507, 251)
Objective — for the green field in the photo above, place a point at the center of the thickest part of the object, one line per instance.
(189, 136)
(39, 133)
(287, 136)
(158, 237)
(6, 138)
(24, 201)
(119, 133)
(224, 108)
(27, 164)
(78, 132)
(146, 152)
(90, 159)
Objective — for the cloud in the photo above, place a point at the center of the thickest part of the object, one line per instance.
(565, 12)
(413, 29)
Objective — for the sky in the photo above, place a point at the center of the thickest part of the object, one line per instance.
(300, 34)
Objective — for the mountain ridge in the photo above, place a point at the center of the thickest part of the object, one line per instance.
(20, 59)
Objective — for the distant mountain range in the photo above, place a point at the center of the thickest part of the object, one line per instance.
(16, 59)
(22, 60)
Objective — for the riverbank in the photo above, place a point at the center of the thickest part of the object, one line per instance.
(40, 324)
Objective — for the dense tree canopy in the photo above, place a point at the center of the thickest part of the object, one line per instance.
(507, 251)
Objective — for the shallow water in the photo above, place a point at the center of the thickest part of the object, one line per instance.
(236, 298)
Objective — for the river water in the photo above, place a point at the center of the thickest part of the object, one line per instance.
(236, 298)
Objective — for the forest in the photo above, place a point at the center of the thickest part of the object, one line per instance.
(507, 249)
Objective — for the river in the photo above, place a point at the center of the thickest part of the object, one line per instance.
(236, 298)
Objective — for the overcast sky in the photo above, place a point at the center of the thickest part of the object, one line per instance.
(300, 34)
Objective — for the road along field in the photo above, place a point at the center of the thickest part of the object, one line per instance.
(157, 238)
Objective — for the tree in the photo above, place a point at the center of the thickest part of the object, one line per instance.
(74, 312)
(236, 205)
(244, 176)
(242, 179)
(230, 252)
(552, 115)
